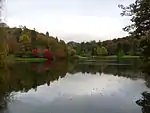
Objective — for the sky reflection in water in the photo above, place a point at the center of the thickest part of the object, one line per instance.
(82, 93)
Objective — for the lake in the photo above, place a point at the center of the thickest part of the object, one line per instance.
(77, 87)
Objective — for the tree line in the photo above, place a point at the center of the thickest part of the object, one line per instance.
(137, 43)
(21, 41)
(127, 45)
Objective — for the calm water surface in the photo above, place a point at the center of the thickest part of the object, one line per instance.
(62, 87)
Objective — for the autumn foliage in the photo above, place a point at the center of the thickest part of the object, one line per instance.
(45, 53)
(27, 43)
(35, 53)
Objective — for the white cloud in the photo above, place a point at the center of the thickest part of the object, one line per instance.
(81, 85)
(69, 19)
(105, 27)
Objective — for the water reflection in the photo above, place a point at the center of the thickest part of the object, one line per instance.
(25, 76)
(62, 87)
(144, 102)
(124, 68)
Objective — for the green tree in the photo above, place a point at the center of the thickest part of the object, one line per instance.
(145, 48)
(135, 47)
(140, 18)
(71, 51)
(126, 46)
(102, 51)
(120, 53)
(111, 47)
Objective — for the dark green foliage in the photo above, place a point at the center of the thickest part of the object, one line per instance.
(140, 28)
(111, 47)
(144, 102)
(129, 45)
(29, 54)
(101, 51)
(126, 46)
(120, 53)
(145, 48)
(140, 17)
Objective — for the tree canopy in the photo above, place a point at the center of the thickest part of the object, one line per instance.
(140, 17)
(22, 41)
(140, 26)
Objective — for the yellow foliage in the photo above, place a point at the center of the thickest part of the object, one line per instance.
(24, 38)
(25, 41)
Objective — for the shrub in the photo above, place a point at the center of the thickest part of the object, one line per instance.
(47, 54)
(35, 53)
(29, 54)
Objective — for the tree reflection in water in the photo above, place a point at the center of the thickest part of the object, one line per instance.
(25, 76)
(126, 68)
(144, 102)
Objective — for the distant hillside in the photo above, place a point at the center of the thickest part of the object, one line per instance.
(129, 45)
(25, 40)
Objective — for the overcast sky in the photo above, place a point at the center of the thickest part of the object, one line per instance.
(77, 20)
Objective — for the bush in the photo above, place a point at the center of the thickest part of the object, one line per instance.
(47, 54)
(35, 53)
(19, 54)
(29, 54)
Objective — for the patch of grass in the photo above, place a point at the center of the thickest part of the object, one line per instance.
(80, 57)
(127, 56)
(115, 57)
(30, 59)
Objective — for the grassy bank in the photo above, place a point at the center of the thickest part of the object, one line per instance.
(105, 57)
(30, 59)
(77, 57)
(115, 57)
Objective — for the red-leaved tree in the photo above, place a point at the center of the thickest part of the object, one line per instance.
(47, 54)
(35, 52)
